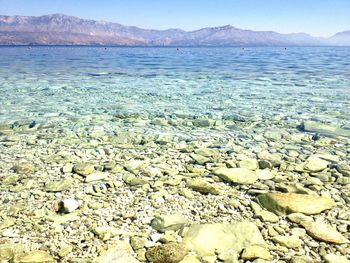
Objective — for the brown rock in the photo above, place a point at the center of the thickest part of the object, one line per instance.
(167, 253)
(285, 203)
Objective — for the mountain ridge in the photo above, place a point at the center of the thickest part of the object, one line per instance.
(60, 29)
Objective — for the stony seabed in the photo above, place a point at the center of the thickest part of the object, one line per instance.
(168, 186)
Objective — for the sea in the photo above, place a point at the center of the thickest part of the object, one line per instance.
(38, 84)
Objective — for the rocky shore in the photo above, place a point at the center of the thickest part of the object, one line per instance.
(172, 188)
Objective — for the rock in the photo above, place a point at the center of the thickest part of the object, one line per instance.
(134, 166)
(23, 168)
(199, 158)
(205, 239)
(168, 222)
(59, 186)
(333, 258)
(34, 257)
(190, 259)
(58, 219)
(265, 174)
(69, 205)
(83, 169)
(67, 168)
(107, 232)
(315, 164)
(228, 256)
(9, 250)
(324, 129)
(167, 253)
(253, 252)
(265, 216)
(343, 180)
(8, 222)
(96, 177)
(288, 241)
(318, 229)
(251, 164)
(119, 252)
(159, 121)
(237, 175)
(203, 186)
(302, 259)
(137, 243)
(203, 122)
(64, 251)
(285, 203)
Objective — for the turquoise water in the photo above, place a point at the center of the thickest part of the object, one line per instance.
(39, 83)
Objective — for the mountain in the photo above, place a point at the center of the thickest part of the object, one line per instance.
(342, 38)
(59, 29)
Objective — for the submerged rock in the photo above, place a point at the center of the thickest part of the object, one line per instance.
(285, 203)
(324, 129)
(315, 164)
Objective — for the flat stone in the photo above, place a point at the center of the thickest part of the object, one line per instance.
(318, 229)
(34, 257)
(168, 222)
(288, 241)
(59, 186)
(134, 166)
(253, 252)
(119, 252)
(265, 216)
(8, 222)
(302, 259)
(8, 251)
(62, 219)
(83, 169)
(251, 164)
(206, 239)
(107, 232)
(315, 164)
(333, 258)
(203, 186)
(199, 158)
(324, 129)
(265, 174)
(167, 253)
(286, 203)
(237, 175)
(24, 168)
(96, 177)
(190, 259)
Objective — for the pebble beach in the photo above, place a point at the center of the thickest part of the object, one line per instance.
(166, 156)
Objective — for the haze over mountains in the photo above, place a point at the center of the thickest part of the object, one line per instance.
(59, 29)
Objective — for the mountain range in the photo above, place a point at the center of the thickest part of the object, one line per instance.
(59, 29)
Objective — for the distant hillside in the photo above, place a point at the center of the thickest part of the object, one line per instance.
(342, 38)
(63, 29)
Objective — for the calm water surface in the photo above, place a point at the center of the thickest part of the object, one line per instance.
(308, 82)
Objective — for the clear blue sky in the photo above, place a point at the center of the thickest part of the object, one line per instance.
(317, 17)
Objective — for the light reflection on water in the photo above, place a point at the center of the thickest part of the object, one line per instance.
(218, 82)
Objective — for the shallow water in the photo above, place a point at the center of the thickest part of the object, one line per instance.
(155, 121)
(39, 82)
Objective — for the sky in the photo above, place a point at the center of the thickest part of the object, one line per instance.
(316, 17)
